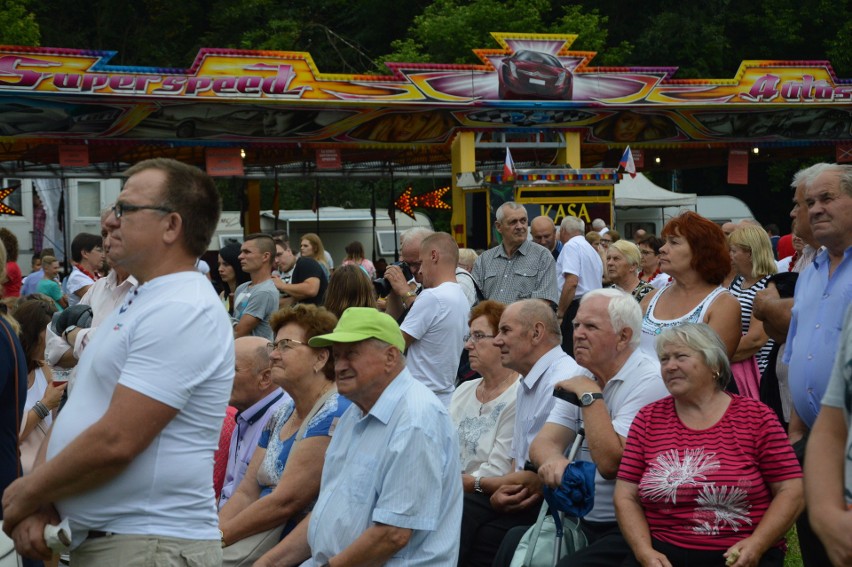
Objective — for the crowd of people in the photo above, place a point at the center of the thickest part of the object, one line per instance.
(294, 413)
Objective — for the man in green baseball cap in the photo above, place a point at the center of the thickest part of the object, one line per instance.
(391, 486)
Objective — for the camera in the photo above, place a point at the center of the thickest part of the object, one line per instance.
(382, 285)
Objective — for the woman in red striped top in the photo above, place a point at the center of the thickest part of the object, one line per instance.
(707, 478)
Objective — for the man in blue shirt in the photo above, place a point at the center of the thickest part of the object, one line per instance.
(823, 293)
(256, 398)
(391, 491)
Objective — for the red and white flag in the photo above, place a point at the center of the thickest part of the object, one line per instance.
(509, 166)
(627, 162)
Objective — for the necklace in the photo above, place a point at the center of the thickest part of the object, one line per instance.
(486, 395)
(295, 420)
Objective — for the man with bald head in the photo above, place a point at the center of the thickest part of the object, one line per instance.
(256, 398)
(543, 233)
(530, 343)
(435, 326)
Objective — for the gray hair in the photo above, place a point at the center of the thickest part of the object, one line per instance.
(501, 210)
(844, 171)
(806, 176)
(415, 235)
(701, 338)
(572, 224)
(624, 311)
(598, 224)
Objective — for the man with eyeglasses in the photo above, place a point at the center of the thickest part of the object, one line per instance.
(129, 468)
(256, 398)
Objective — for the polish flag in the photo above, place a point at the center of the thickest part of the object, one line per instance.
(509, 166)
(627, 162)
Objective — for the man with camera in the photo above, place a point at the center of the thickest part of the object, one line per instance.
(436, 322)
(403, 277)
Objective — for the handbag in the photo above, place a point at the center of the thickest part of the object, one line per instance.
(747, 377)
(533, 549)
(554, 535)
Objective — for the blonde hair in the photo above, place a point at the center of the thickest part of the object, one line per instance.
(752, 238)
(316, 244)
(467, 257)
(629, 250)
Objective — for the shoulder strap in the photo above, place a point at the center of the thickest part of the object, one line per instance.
(303, 429)
(479, 295)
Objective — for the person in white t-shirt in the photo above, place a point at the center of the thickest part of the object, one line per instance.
(579, 271)
(435, 327)
(129, 461)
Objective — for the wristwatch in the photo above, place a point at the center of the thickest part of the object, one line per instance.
(589, 398)
(476, 486)
(68, 330)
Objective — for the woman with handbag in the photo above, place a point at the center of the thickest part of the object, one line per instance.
(707, 478)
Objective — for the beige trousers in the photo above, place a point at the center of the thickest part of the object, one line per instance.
(147, 551)
(245, 552)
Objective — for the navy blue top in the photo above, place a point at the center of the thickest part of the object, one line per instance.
(12, 398)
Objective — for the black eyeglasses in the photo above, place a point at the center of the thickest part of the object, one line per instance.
(476, 337)
(283, 344)
(119, 209)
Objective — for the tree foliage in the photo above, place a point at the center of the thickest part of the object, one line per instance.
(18, 26)
(448, 30)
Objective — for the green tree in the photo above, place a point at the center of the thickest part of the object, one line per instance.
(18, 26)
(448, 30)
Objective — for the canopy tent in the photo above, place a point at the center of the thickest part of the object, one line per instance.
(640, 191)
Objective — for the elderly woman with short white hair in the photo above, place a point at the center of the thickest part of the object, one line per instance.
(622, 269)
(707, 478)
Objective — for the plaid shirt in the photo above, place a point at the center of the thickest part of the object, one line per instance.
(529, 273)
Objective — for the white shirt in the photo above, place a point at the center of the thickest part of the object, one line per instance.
(76, 280)
(170, 341)
(437, 322)
(580, 259)
(535, 398)
(104, 297)
(485, 430)
(637, 384)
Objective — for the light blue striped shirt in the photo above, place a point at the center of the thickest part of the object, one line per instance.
(397, 465)
(535, 398)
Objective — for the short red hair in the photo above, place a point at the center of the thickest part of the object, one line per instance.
(711, 256)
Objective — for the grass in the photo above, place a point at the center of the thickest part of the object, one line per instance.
(794, 554)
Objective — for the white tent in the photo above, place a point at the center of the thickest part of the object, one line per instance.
(639, 191)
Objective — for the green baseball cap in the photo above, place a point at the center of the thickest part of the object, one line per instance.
(359, 324)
